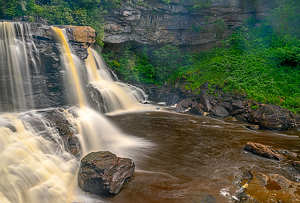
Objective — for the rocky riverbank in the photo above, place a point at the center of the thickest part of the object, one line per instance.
(215, 102)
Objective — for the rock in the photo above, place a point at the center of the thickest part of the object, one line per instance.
(237, 111)
(61, 122)
(296, 165)
(273, 117)
(240, 118)
(271, 188)
(237, 104)
(206, 103)
(252, 127)
(183, 105)
(226, 105)
(74, 146)
(288, 153)
(263, 151)
(103, 173)
(220, 111)
(157, 23)
(186, 103)
(197, 110)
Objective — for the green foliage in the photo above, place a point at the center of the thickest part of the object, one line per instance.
(167, 1)
(132, 67)
(67, 12)
(259, 58)
(219, 27)
(202, 4)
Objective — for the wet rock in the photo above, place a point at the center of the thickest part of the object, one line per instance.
(74, 146)
(61, 122)
(296, 165)
(263, 151)
(240, 118)
(186, 103)
(204, 100)
(237, 104)
(220, 111)
(226, 105)
(273, 117)
(271, 188)
(237, 111)
(7, 123)
(183, 105)
(252, 127)
(103, 173)
(197, 110)
(288, 153)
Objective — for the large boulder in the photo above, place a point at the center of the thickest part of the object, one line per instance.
(220, 111)
(270, 188)
(103, 173)
(273, 117)
(197, 110)
(183, 105)
(263, 151)
(204, 100)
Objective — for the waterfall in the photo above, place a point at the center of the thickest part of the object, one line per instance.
(15, 84)
(116, 95)
(36, 166)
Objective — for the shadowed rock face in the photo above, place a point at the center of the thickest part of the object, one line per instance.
(104, 173)
(156, 23)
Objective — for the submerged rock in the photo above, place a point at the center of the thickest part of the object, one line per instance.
(270, 188)
(263, 151)
(273, 117)
(103, 173)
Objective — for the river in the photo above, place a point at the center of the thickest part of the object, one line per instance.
(194, 159)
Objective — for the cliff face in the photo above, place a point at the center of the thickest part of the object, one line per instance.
(154, 22)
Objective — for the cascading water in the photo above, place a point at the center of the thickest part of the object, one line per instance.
(15, 84)
(35, 163)
(116, 95)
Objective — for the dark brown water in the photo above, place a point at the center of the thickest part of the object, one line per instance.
(195, 159)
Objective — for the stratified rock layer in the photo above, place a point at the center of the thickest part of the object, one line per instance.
(103, 173)
(157, 23)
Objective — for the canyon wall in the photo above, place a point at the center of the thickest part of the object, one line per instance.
(156, 23)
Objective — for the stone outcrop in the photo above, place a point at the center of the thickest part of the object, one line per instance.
(104, 173)
(270, 188)
(156, 23)
(48, 122)
(273, 117)
(263, 151)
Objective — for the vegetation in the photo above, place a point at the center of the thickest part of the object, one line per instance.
(57, 12)
(260, 58)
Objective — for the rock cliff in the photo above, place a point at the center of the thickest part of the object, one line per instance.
(154, 22)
